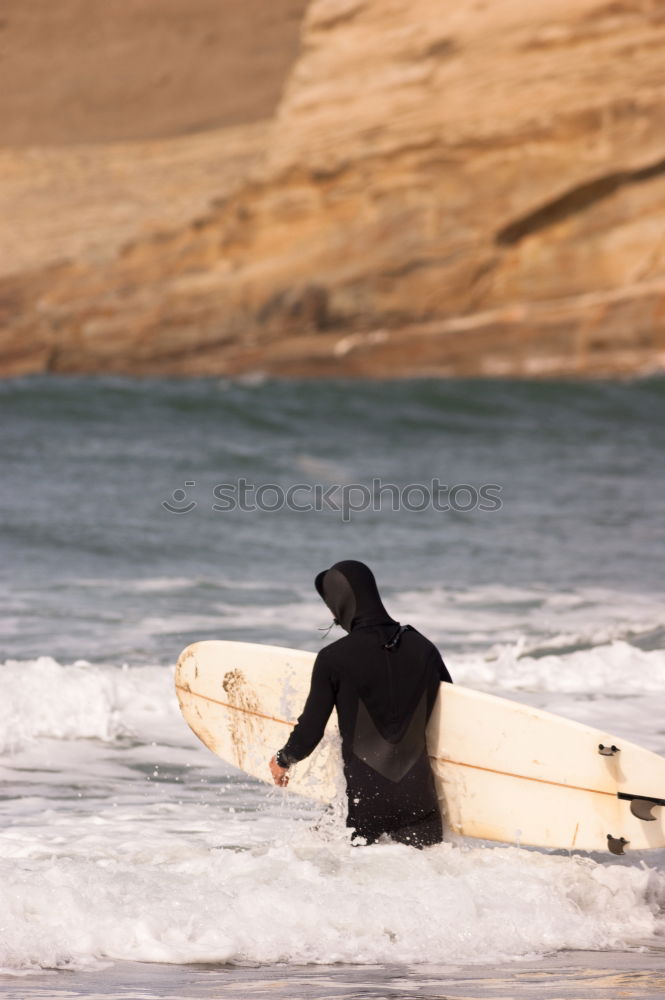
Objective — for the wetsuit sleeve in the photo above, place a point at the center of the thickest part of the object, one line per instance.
(439, 666)
(309, 728)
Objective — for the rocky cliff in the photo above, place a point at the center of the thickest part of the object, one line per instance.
(447, 188)
(94, 71)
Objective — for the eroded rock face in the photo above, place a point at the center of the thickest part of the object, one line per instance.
(450, 188)
(94, 71)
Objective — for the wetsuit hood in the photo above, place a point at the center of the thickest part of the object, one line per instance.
(349, 590)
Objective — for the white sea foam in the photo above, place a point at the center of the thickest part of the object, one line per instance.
(478, 620)
(532, 617)
(321, 902)
(43, 698)
(617, 667)
(114, 851)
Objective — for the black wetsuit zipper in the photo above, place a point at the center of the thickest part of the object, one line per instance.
(391, 688)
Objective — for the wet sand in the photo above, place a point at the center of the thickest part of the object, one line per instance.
(565, 976)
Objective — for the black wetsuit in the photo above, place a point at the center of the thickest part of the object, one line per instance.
(383, 679)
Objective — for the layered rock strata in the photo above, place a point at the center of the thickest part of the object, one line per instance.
(455, 189)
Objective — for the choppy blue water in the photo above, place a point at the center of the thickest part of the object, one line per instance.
(95, 567)
(114, 815)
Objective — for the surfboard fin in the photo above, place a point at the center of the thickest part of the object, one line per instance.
(607, 751)
(616, 844)
(641, 805)
(642, 809)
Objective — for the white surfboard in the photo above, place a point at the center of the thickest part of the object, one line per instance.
(504, 771)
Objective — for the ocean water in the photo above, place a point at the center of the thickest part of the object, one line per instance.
(122, 839)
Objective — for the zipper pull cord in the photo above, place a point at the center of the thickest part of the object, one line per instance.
(393, 643)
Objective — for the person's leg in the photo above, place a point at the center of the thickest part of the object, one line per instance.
(362, 840)
(362, 835)
(423, 833)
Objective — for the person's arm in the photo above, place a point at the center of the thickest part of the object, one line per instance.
(439, 666)
(309, 729)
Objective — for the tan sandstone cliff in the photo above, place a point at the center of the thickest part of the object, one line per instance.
(447, 188)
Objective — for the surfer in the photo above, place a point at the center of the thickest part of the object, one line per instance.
(383, 679)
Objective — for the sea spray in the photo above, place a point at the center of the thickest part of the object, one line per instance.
(322, 901)
(121, 837)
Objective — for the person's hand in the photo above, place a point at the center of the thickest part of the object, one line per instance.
(280, 775)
